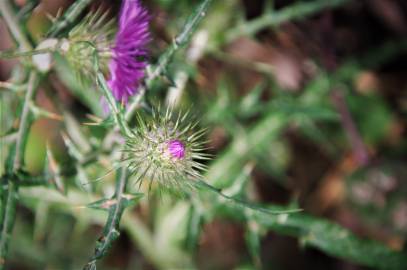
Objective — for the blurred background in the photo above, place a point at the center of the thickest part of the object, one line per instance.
(305, 104)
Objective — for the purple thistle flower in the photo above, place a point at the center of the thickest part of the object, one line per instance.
(129, 52)
(176, 149)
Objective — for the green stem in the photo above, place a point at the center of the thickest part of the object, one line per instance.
(68, 18)
(12, 87)
(183, 38)
(13, 54)
(9, 213)
(113, 106)
(13, 26)
(118, 116)
(25, 121)
(10, 198)
(291, 13)
(241, 203)
(26, 10)
(111, 228)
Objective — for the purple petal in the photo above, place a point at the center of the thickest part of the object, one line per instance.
(127, 65)
(176, 149)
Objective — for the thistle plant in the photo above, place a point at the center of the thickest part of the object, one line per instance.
(142, 147)
(164, 151)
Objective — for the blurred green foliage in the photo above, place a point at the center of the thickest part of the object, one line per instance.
(60, 220)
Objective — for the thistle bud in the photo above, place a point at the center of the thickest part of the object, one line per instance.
(166, 153)
(93, 32)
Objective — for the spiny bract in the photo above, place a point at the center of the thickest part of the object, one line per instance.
(166, 153)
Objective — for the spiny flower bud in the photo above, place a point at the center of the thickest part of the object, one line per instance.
(93, 32)
(166, 153)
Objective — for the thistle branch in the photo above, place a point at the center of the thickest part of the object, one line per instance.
(10, 196)
(205, 186)
(68, 18)
(270, 19)
(114, 108)
(13, 26)
(111, 228)
(13, 54)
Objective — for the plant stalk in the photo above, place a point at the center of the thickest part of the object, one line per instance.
(10, 195)
(69, 17)
(13, 26)
(290, 13)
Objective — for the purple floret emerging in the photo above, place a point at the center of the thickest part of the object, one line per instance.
(129, 51)
(177, 149)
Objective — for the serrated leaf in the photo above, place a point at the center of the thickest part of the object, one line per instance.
(334, 240)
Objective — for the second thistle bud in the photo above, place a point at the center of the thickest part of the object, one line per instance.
(93, 32)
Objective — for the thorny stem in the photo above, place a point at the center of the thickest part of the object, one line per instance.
(9, 196)
(111, 228)
(12, 24)
(12, 87)
(25, 122)
(118, 116)
(11, 190)
(68, 18)
(12, 54)
(101, 81)
(293, 12)
(205, 186)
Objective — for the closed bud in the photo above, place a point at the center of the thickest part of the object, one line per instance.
(166, 153)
